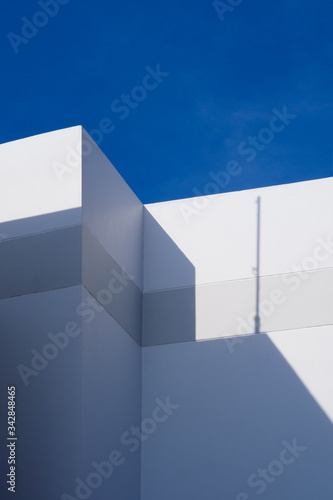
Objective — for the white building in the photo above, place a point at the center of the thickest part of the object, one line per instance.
(123, 322)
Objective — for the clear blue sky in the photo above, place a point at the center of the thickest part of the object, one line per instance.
(225, 78)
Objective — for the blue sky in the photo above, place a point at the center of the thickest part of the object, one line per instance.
(225, 78)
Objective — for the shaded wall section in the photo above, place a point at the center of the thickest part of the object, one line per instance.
(44, 363)
(168, 311)
(111, 405)
(40, 335)
(238, 404)
(111, 310)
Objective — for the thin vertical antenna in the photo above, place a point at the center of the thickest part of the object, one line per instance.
(257, 317)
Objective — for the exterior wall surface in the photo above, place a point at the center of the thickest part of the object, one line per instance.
(238, 404)
(70, 312)
(48, 392)
(162, 351)
(251, 413)
(111, 405)
(220, 244)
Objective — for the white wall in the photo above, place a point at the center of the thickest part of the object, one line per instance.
(73, 412)
(111, 211)
(48, 399)
(111, 403)
(220, 241)
(238, 400)
(213, 257)
(30, 185)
